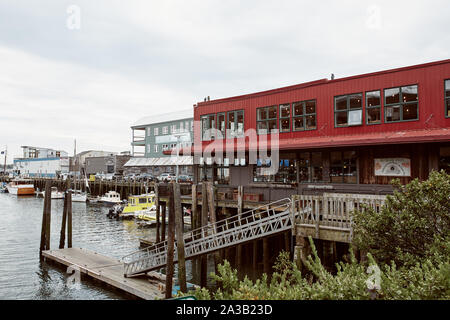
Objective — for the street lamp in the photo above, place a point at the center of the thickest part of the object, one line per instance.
(179, 135)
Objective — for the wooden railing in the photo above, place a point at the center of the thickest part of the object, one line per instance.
(332, 211)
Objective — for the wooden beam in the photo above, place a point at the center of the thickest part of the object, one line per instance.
(170, 245)
(69, 219)
(204, 222)
(62, 237)
(158, 211)
(180, 239)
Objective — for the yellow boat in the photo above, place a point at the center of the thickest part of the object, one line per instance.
(139, 203)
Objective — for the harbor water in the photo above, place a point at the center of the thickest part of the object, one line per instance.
(23, 276)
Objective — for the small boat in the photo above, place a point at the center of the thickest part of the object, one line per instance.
(21, 187)
(55, 193)
(3, 187)
(111, 197)
(138, 203)
(78, 196)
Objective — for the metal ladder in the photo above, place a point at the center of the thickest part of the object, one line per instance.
(260, 222)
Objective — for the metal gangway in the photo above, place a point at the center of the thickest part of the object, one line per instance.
(257, 223)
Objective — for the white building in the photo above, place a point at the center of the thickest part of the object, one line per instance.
(41, 162)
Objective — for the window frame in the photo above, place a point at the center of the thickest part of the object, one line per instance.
(366, 107)
(280, 118)
(213, 136)
(445, 99)
(401, 104)
(304, 115)
(224, 134)
(348, 109)
(268, 119)
(228, 130)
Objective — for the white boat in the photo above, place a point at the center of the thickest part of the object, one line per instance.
(55, 193)
(20, 187)
(111, 197)
(79, 196)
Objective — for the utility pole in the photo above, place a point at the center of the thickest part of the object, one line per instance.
(4, 166)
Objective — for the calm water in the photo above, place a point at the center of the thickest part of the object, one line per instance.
(22, 276)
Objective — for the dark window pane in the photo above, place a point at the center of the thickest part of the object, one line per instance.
(304, 159)
(410, 111)
(447, 88)
(310, 122)
(298, 124)
(392, 95)
(310, 107)
(240, 122)
(262, 127)
(392, 113)
(341, 103)
(355, 101)
(448, 107)
(272, 125)
(285, 111)
(272, 112)
(341, 118)
(262, 114)
(374, 115)
(298, 108)
(409, 93)
(373, 98)
(285, 125)
(336, 158)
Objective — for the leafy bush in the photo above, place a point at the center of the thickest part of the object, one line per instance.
(411, 224)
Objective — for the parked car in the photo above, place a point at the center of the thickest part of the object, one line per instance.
(184, 178)
(130, 177)
(109, 176)
(165, 177)
(117, 176)
(100, 176)
(146, 177)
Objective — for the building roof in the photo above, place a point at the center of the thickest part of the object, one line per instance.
(165, 117)
(153, 162)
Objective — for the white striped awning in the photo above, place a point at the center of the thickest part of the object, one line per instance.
(165, 161)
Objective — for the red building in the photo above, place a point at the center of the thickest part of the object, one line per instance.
(352, 135)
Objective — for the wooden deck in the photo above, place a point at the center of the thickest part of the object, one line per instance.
(106, 270)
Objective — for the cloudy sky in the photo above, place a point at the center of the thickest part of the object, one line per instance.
(89, 77)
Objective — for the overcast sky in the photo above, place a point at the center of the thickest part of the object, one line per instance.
(62, 80)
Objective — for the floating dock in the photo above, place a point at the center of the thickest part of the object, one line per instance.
(107, 270)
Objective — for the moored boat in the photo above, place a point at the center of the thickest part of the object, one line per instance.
(111, 197)
(79, 196)
(138, 203)
(55, 194)
(21, 187)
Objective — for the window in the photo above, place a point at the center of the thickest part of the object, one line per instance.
(222, 174)
(235, 125)
(165, 147)
(401, 104)
(310, 167)
(373, 107)
(267, 120)
(173, 128)
(156, 147)
(165, 130)
(447, 98)
(149, 148)
(304, 117)
(173, 146)
(221, 124)
(343, 167)
(348, 110)
(155, 131)
(208, 125)
(181, 126)
(285, 117)
(444, 159)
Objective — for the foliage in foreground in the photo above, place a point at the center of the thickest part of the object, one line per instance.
(429, 279)
(413, 224)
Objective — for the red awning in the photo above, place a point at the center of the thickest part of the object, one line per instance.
(396, 137)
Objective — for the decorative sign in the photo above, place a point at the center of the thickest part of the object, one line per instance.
(393, 167)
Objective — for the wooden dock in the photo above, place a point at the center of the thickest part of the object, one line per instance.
(106, 270)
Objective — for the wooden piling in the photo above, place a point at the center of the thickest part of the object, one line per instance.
(158, 225)
(62, 237)
(163, 221)
(204, 222)
(180, 239)
(69, 219)
(170, 246)
(45, 216)
(213, 218)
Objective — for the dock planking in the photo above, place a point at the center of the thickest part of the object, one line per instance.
(107, 270)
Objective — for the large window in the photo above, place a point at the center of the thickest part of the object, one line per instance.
(401, 104)
(310, 167)
(304, 117)
(286, 174)
(208, 125)
(235, 124)
(285, 117)
(348, 110)
(266, 119)
(447, 98)
(221, 124)
(373, 107)
(156, 131)
(343, 167)
(444, 159)
(165, 130)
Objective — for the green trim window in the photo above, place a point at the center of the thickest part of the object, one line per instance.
(285, 117)
(235, 124)
(447, 98)
(266, 120)
(348, 110)
(221, 124)
(310, 166)
(401, 104)
(208, 125)
(343, 167)
(373, 107)
(304, 117)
